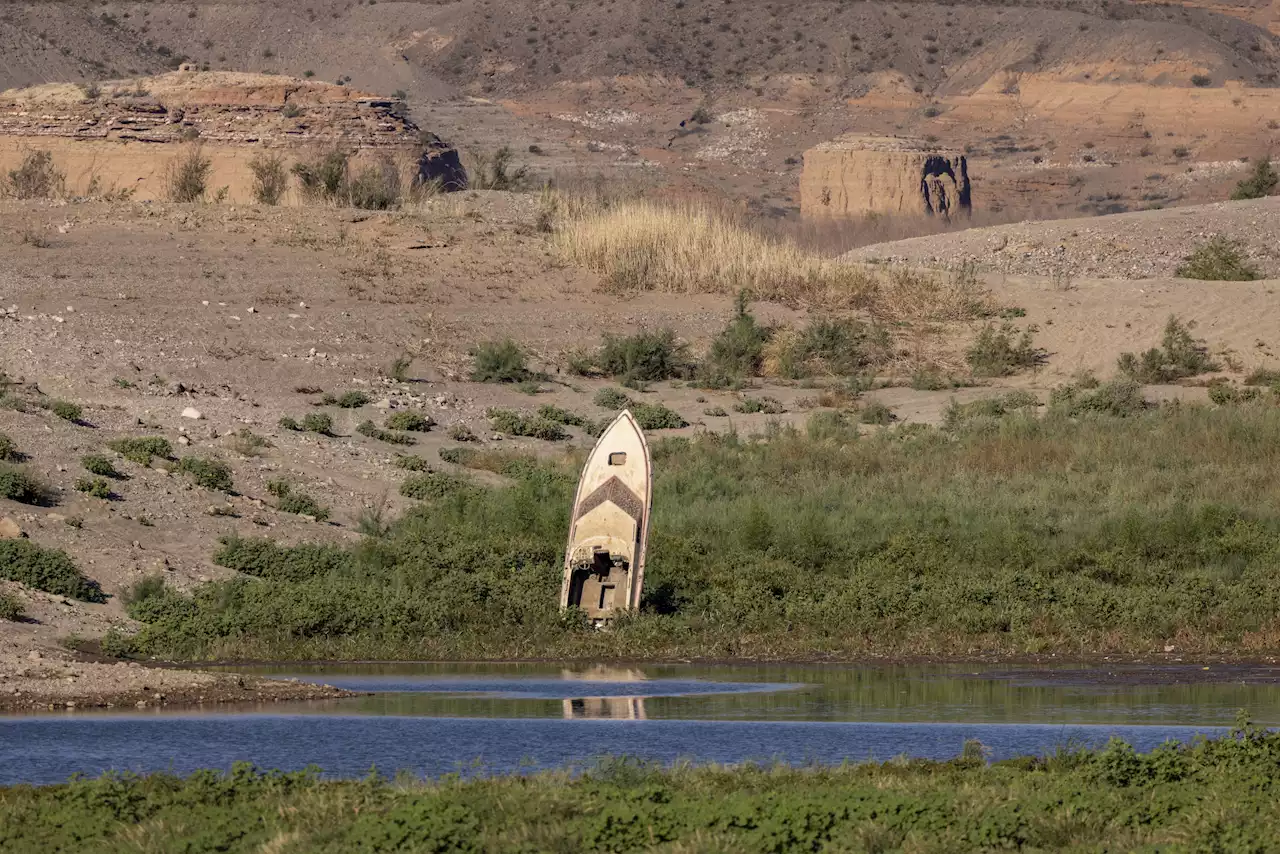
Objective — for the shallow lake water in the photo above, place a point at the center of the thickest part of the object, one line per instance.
(433, 719)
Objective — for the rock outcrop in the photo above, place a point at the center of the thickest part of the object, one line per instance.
(440, 164)
(861, 175)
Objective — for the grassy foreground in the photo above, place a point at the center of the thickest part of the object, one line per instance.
(1011, 534)
(1210, 796)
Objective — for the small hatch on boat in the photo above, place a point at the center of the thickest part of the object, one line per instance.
(618, 458)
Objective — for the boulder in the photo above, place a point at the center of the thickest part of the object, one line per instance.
(441, 164)
(9, 529)
(862, 175)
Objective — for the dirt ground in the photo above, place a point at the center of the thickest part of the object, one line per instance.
(138, 312)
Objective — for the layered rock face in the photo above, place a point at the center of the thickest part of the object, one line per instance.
(862, 175)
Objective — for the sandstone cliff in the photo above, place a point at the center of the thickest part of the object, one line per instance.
(861, 175)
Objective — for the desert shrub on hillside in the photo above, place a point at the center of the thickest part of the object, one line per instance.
(959, 414)
(97, 487)
(8, 449)
(495, 172)
(521, 424)
(373, 431)
(100, 465)
(1117, 398)
(737, 353)
(270, 178)
(433, 485)
(612, 398)
(187, 175)
(1261, 182)
(1218, 260)
(142, 450)
(1263, 376)
(826, 347)
(289, 500)
(499, 362)
(1179, 355)
(647, 356)
(323, 176)
(37, 177)
(655, 416)
(207, 472)
(877, 413)
(763, 404)
(18, 484)
(1000, 351)
(419, 422)
(375, 187)
(10, 607)
(1225, 394)
(50, 570)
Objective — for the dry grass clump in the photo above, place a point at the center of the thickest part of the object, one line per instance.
(904, 294)
(35, 178)
(640, 245)
(187, 175)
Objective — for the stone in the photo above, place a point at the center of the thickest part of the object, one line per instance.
(192, 413)
(10, 530)
(859, 175)
(440, 164)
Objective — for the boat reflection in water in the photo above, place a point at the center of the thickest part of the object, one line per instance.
(606, 708)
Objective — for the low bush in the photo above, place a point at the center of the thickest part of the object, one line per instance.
(208, 473)
(1179, 355)
(715, 412)
(737, 353)
(142, 450)
(8, 449)
(65, 409)
(17, 484)
(418, 422)
(317, 422)
(460, 432)
(499, 362)
(187, 175)
(10, 607)
(563, 416)
(826, 347)
(270, 178)
(433, 485)
(878, 413)
(98, 487)
(373, 431)
(411, 463)
(322, 177)
(613, 399)
(1002, 351)
(100, 465)
(958, 414)
(347, 400)
(375, 187)
(1218, 260)
(299, 503)
(647, 356)
(655, 416)
(50, 570)
(765, 404)
(1263, 376)
(1261, 182)
(494, 171)
(37, 177)
(1118, 398)
(1225, 394)
(520, 424)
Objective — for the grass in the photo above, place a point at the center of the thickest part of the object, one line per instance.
(876, 413)
(825, 347)
(499, 362)
(50, 570)
(187, 175)
(313, 422)
(270, 178)
(207, 473)
(643, 246)
(411, 463)
(18, 484)
(1180, 355)
(1263, 376)
(37, 177)
(142, 450)
(766, 404)
(418, 422)
(1208, 795)
(494, 171)
(1218, 260)
(959, 414)
(1090, 534)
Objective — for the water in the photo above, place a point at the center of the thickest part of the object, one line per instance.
(433, 719)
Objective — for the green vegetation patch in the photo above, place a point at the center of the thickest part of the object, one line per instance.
(18, 484)
(373, 431)
(433, 485)
(418, 422)
(346, 400)
(50, 570)
(1218, 260)
(289, 500)
(499, 362)
(8, 449)
(207, 472)
(142, 450)
(1000, 351)
(100, 465)
(522, 424)
(1179, 355)
(98, 487)
(1209, 795)
(10, 607)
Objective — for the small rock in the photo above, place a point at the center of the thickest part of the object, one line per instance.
(192, 413)
(183, 440)
(141, 704)
(9, 529)
(35, 655)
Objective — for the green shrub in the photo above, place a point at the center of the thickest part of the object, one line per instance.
(519, 424)
(44, 569)
(1263, 376)
(1117, 398)
(417, 421)
(830, 425)
(499, 362)
(19, 485)
(998, 353)
(187, 175)
(10, 607)
(562, 416)
(1224, 394)
(876, 412)
(288, 422)
(829, 347)
(460, 432)
(410, 463)
(66, 410)
(1218, 260)
(270, 178)
(144, 588)
(612, 399)
(1178, 356)
(957, 414)
(36, 177)
(737, 352)
(323, 177)
(317, 422)
(373, 431)
(348, 400)
(97, 487)
(715, 411)
(765, 404)
(1201, 81)
(100, 465)
(8, 450)
(208, 473)
(494, 172)
(643, 357)
(376, 187)
(142, 450)
(1261, 183)
(298, 503)
(433, 485)
(265, 559)
(655, 416)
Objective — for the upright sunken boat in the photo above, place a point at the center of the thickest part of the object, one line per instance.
(604, 563)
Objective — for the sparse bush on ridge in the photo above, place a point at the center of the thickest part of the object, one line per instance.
(8, 450)
(50, 570)
(1261, 182)
(1219, 260)
(187, 175)
(36, 178)
(1179, 356)
(499, 362)
(997, 353)
(10, 607)
(208, 473)
(419, 422)
(289, 500)
(17, 484)
(270, 178)
(612, 398)
(494, 172)
(142, 450)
